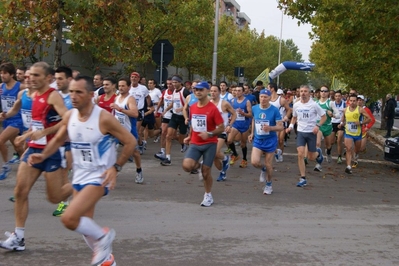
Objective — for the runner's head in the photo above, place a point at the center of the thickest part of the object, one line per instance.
(81, 90)
(7, 72)
(40, 75)
(124, 84)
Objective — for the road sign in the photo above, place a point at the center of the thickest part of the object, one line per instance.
(157, 75)
(239, 72)
(163, 52)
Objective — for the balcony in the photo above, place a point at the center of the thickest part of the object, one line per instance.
(244, 16)
(232, 3)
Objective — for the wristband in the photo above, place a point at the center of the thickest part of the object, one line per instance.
(317, 125)
(291, 126)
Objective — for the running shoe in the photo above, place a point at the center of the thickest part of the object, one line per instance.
(13, 242)
(166, 162)
(131, 159)
(317, 168)
(302, 182)
(200, 176)
(194, 172)
(348, 170)
(208, 200)
(339, 160)
(12, 199)
(139, 178)
(160, 155)
(237, 143)
(144, 145)
(243, 164)
(329, 158)
(157, 138)
(277, 155)
(225, 164)
(268, 189)
(141, 149)
(234, 159)
(228, 151)
(103, 247)
(60, 209)
(5, 171)
(109, 262)
(262, 177)
(355, 164)
(184, 148)
(222, 176)
(319, 158)
(15, 159)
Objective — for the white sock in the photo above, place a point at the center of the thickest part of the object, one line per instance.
(89, 228)
(20, 232)
(163, 150)
(168, 156)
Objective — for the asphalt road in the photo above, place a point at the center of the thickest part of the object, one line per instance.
(336, 220)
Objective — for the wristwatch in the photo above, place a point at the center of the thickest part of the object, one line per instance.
(118, 168)
(210, 134)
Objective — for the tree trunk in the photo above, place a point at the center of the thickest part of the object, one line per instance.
(58, 38)
(383, 121)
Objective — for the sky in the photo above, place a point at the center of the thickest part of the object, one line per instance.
(265, 15)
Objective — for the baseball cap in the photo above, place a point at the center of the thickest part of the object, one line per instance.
(202, 85)
(360, 97)
(266, 92)
(280, 91)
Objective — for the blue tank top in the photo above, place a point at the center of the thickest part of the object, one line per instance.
(268, 116)
(8, 99)
(26, 109)
(240, 120)
(193, 99)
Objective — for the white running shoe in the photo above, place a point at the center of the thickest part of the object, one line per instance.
(139, 177)
(317, 168)
(268, 189)
(12, 242)
(262, 177)
(103, 247)
(208, 200)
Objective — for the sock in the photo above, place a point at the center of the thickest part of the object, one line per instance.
(89, 228)
(329, 151)
(168, 156)
(268, 183)
(233, 149)
(182, 146)
(20, 232)
(244, 153)
(263, 168)
(138, 170)
(163, 150)
(89, 241)
(349, 167)
(303, 177)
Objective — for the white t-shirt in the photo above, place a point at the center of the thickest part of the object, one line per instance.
(155, 95)
(306, 114)
(139, 93)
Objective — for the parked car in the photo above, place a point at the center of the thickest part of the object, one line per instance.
(397, 110)
(391, 150)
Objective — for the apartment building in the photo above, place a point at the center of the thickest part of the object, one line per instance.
(233, 9)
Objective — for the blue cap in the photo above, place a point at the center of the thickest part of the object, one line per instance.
(266, 92)
(202, 85)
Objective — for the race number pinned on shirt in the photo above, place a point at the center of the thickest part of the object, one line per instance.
(36, 126)
(7, 102)
(259, 127)
(26, 117)
(352, 127)
(82, 154)
(121, 117)
(240, 117)
(198, 123)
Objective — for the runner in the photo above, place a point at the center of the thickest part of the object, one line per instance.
(365, 127)
(340, 104)
(222, 161)
(353, 121)
(207, 124)
(105, 100)
(47, 109)
(266, 122)
(305, 113)
(93, 133)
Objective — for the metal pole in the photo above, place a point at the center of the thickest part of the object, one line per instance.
(215, 44)
(161, 66)
(279, 49)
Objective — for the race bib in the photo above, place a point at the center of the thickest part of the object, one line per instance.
(82, 154)
(36, 126)
(352, 127)
(198, 123)
(240, 117)
(259, 127)
(7, 102)
(26, 117)
(177, 105)
(121, 117)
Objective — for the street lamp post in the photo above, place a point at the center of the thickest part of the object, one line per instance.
(279, 48)
(215, 44)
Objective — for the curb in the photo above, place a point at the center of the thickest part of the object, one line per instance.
(380, 140)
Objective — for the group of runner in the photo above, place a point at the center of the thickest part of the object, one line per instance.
(79, 127)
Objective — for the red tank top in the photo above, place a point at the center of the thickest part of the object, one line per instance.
(106, 104)
(43, 116)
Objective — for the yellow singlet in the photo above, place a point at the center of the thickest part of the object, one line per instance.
(351, 128)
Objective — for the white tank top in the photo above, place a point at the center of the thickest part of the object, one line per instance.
(225, 115)
(92, 152)
(124, 119)
(178, 101)
(167, 100)
(280, 108)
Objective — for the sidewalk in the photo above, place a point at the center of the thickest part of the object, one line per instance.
(377, 136)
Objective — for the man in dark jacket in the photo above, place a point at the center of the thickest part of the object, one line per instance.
(389, 113)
